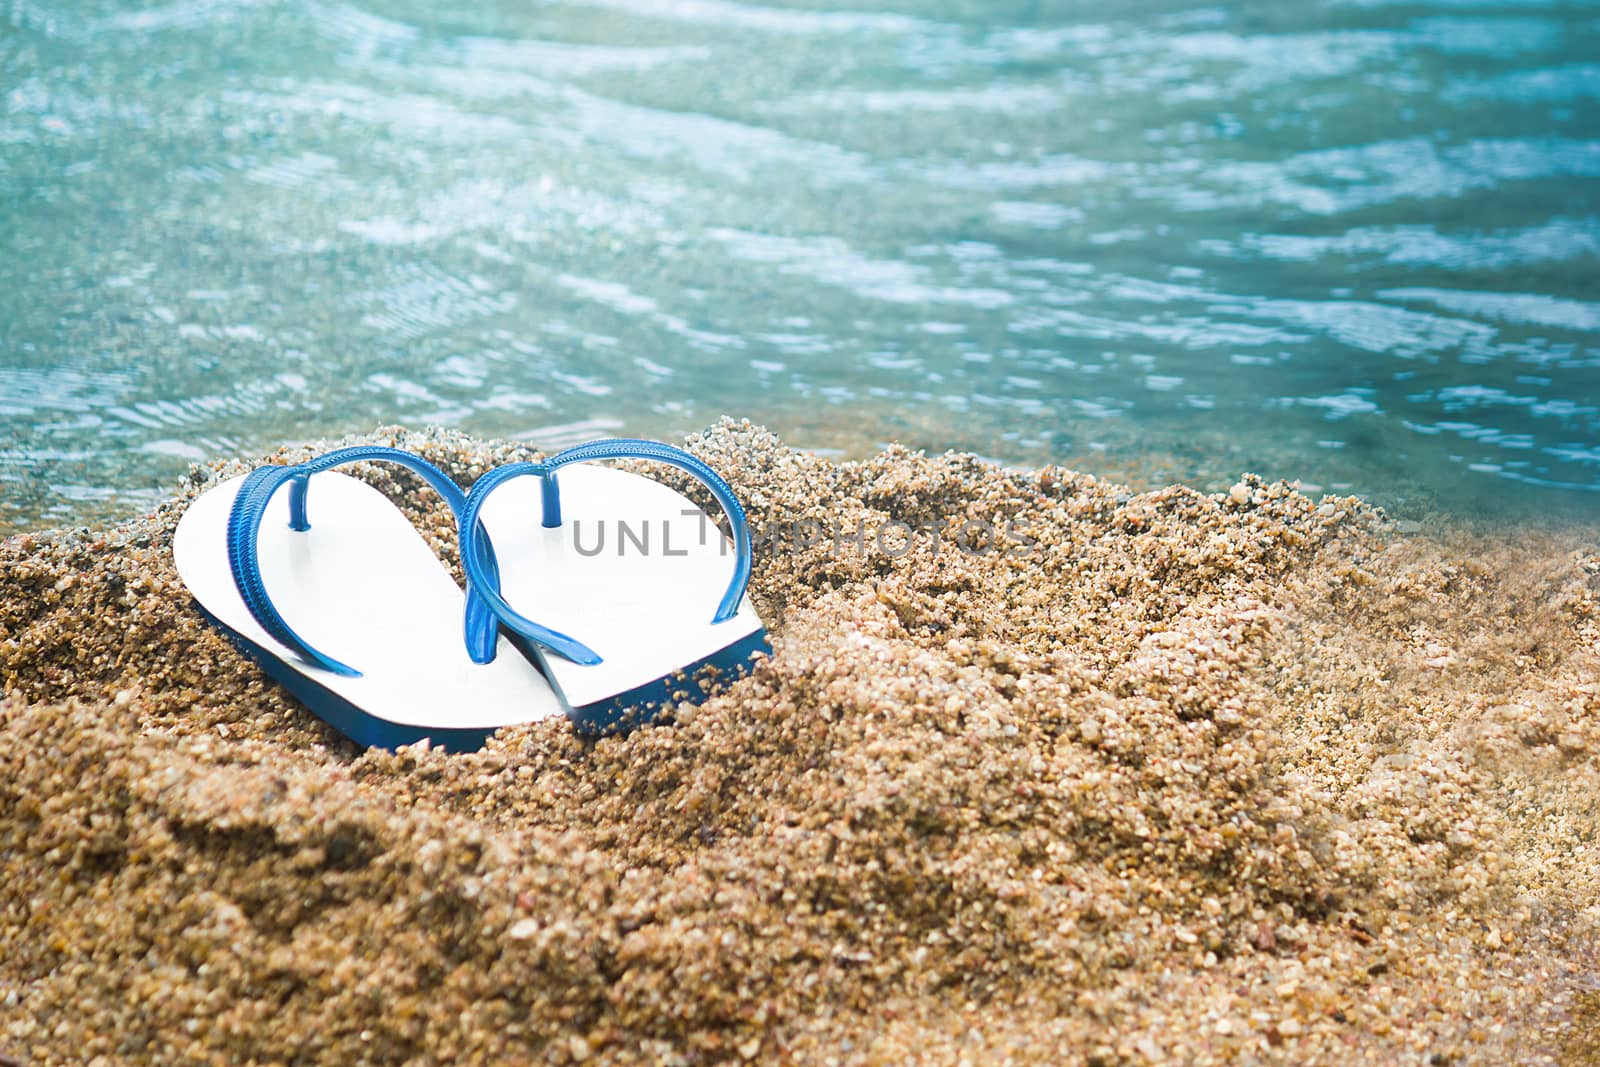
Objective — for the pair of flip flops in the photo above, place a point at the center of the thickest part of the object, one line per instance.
(330, 588)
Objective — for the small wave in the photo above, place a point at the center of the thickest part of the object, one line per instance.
(1532, 309)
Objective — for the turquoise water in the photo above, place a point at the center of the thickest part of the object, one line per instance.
(1354, 243)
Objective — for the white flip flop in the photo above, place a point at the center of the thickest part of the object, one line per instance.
(418, 657)
(629, 578)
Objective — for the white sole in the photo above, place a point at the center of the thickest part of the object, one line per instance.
(362, 586)
(635, 571)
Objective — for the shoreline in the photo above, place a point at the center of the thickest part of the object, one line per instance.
(1204, 778)
(1206, 460)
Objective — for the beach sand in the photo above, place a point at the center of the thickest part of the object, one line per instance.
(1179, 778)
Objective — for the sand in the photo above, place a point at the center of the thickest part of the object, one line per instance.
(1241, 778)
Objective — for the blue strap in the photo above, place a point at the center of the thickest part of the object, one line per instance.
(477, 565)
(632, 448)
(244, 532)
(482, 577)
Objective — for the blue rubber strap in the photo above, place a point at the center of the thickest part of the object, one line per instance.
(632, 448)
(480, 628)
(481, 574)
(478, 565)
(244, 531)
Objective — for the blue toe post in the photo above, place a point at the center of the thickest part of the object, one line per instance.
(478, 565)
(481, 628)
(551, 499)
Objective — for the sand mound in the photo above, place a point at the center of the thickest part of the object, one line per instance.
(1089, 776)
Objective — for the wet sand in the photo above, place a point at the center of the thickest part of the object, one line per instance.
(1247, 778)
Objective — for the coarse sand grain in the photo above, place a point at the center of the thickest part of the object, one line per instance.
(1041, 771)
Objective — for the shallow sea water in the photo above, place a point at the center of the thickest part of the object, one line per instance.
(1354, 243)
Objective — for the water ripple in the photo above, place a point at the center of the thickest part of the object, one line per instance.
(1557, 241)
(1533, 309)
(725, 13)
(1354, 243)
